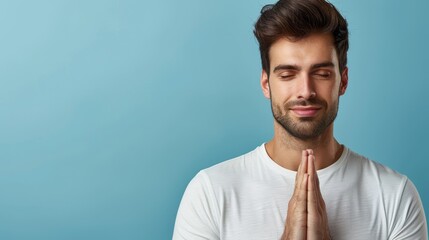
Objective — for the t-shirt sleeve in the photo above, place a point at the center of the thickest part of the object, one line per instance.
(198, 212)
(409, 222)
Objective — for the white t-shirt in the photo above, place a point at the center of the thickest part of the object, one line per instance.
(247, 198)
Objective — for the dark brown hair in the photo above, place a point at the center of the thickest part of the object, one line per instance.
(296, 19)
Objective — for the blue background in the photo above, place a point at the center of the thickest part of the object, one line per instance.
(109, 108)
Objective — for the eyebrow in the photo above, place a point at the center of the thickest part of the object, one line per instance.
(286, 67)
(296, 67)
(323, 64)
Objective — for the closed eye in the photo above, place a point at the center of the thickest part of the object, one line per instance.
(323, 74)
(286, 75)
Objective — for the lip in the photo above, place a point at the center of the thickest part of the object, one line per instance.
(307, 111)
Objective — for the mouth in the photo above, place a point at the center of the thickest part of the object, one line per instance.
(307, 111)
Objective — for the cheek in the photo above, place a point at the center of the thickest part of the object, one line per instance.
(281, 92)
(330, 92)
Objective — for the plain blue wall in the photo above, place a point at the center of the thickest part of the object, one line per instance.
(109, 108)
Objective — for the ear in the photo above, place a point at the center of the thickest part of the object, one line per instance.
(265, 84)
(344, 81)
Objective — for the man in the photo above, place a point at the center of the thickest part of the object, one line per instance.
(302, 184)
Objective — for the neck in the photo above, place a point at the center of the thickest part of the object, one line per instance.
(286, 150)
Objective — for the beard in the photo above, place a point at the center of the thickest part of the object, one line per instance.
(307, 127)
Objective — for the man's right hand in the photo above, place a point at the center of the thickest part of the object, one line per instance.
(296, 221)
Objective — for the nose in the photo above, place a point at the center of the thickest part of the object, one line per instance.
(306, 88)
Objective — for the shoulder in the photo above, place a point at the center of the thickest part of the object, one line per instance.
(233, 175)
(375, 172)
(400, 200)
(233, 168)
(397, 192)
(199, 213)
(224, 171)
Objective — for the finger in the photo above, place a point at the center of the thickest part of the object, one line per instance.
(316, 184)
(312, 188)
(302, 192)
(302, 169)
(319, 192)
(313, 208)
(304, 160)
(298, 205)
(303, 164)
(313, 173)
(320, 203)
(310, 163)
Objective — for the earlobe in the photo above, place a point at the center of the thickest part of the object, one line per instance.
(265, 84)
(344, 81)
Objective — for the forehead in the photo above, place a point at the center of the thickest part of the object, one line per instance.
(313, 49)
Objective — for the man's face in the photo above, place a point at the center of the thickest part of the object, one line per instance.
(304, 84)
